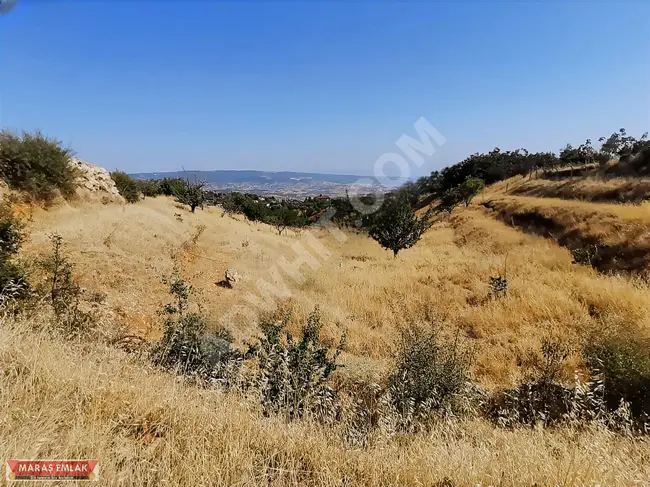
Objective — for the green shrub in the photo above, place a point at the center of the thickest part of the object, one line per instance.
(13, 283)
(186, 347)
(37, 165)
(623, 360)
(292, 377)
(149, 187)
(73, 317)
(127, 186)
(431, 376)
(172, 186)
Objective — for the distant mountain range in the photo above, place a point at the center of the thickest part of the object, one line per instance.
(282, 183)
(252, 177)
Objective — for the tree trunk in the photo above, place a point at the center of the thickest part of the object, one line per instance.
(193, 208)
(395, 253)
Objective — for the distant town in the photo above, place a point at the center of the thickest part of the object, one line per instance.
(280, 184)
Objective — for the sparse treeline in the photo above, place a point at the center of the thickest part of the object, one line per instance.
(497, 165)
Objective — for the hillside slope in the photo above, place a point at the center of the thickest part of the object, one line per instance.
(125, 251)
(149, 428)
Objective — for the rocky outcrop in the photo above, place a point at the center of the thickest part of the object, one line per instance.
(95, 181)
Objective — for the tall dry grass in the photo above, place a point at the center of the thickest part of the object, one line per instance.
(589, 188)
(621, 231)
(361, 288)
(62, 399)
(72, 400)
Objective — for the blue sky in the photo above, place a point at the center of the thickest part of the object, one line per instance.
(323, 86)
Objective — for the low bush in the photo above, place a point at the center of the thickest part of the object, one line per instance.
(149, 187)
(127, 186)
(186, 347)
(622, 358)
(13, 282)
(74, 316)
(431, 376)
(36, 165)
(171, 186)
(292, 375)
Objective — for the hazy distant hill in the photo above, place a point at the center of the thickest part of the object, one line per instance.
(260, 177)
(286, 183)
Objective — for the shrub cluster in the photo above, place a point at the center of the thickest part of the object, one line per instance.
(430, 378)
(37, 165)
(292, 374)
(127, 186)
(186, 347)
(13, 282)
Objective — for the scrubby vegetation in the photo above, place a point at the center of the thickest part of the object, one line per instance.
(37, 165)
(282, 214)
(498, 165)
(13, 282)
(186, 346)
(437, 368)
(127, 186)
(622, 357)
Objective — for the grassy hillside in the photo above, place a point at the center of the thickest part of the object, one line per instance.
(89, 399)
(125, 251)
(149, 430)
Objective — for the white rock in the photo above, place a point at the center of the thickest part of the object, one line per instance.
(94, 178)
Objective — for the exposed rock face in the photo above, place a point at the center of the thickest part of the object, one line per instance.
(95, 179)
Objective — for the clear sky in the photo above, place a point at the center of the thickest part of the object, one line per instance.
(325, 86)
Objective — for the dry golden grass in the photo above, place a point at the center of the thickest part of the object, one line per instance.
(623, 231)
(591, 188)
(67, 400)
(148, 428)
(361, 288)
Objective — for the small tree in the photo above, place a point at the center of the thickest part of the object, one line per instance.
(396, 226)
(191, 194)
(283, 218)
(470, 188)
